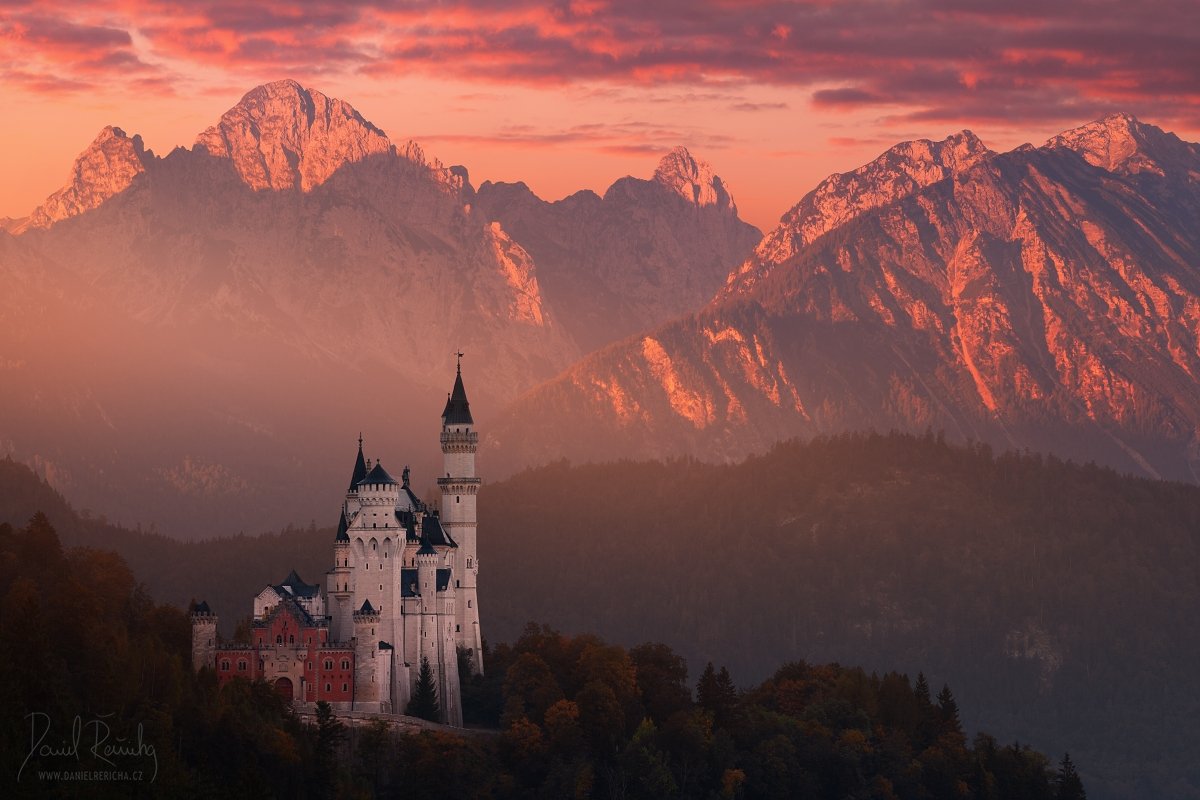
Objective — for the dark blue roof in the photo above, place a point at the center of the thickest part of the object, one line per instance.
(202, 608)
(426, 547)
(408, 581)
(431, 526)
(458, 410)
(367, 608)
(385, 646)
(295, 586)
(378, 475)
(360, 468)
(343, 527)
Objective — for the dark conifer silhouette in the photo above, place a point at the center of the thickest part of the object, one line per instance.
(424, 703)
(1068, 783)
(949, 709)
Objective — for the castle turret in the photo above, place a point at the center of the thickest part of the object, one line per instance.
(204, 636)
(459, 489)
(372, 662)
(339, 582)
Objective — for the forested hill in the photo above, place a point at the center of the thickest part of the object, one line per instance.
(227, 571)
(570, 717)
(1058, 600)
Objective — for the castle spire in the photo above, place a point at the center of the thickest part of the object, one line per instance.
(360, 467)
(458, 410)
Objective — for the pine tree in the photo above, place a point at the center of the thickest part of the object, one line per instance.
(424, 703)
(706, 688)
(330, 733)
(949, 709)
(921, 690)
(1069, 784)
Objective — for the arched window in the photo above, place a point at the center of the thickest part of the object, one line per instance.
(292, 639)
(279, 639)
(241, 665)
(345, 664)
(225, 665)
(329, 663)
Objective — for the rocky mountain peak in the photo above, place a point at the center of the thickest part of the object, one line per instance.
(691, 179)
(106, 167)
(1119, 142)
(283, 136)
(900, 171)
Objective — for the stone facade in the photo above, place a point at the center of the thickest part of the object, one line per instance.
(402, 589)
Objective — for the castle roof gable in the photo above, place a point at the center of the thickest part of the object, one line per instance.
(436, 535)
(378, 475)
(294, 586)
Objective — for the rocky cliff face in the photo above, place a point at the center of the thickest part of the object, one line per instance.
(1044, 298)
(106, 168)
(647, 250)
(242, 308)
(901, 171)
(283, 136)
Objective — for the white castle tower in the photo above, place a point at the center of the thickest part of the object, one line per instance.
(459, 489)
(401, 591)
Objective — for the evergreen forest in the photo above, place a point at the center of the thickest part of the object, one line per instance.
(1057, 599)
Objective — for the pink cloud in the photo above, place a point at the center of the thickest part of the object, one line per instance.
(933, 59)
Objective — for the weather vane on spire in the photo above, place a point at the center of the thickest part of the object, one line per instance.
(459, 354)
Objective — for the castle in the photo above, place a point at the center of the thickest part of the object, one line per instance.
(402, 590)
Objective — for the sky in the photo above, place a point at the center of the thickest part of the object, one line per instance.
(575, 94)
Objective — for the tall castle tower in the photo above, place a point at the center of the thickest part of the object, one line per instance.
(459, 489)
(401, 592)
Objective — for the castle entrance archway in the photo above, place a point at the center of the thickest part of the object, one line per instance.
(284, 687)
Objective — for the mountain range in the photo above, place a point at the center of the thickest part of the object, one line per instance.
(1044, 298)
(195, 339)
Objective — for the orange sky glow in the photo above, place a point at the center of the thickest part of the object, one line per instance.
(573, 95)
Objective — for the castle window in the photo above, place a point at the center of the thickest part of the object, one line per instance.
(458, 628)
(468, 604)
(328, 688)
(381, 587)
(292, 639)
(278, 640)
(329, 663)
(345, 664)
(343, 687)
(241, 665)
(468, 563)
(225, 666)
(457, 499)
(456, 584)
(310, 665)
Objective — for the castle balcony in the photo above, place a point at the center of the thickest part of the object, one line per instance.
(460, 481)
(460, 437)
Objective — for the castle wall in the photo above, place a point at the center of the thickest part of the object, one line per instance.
(204, 641)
